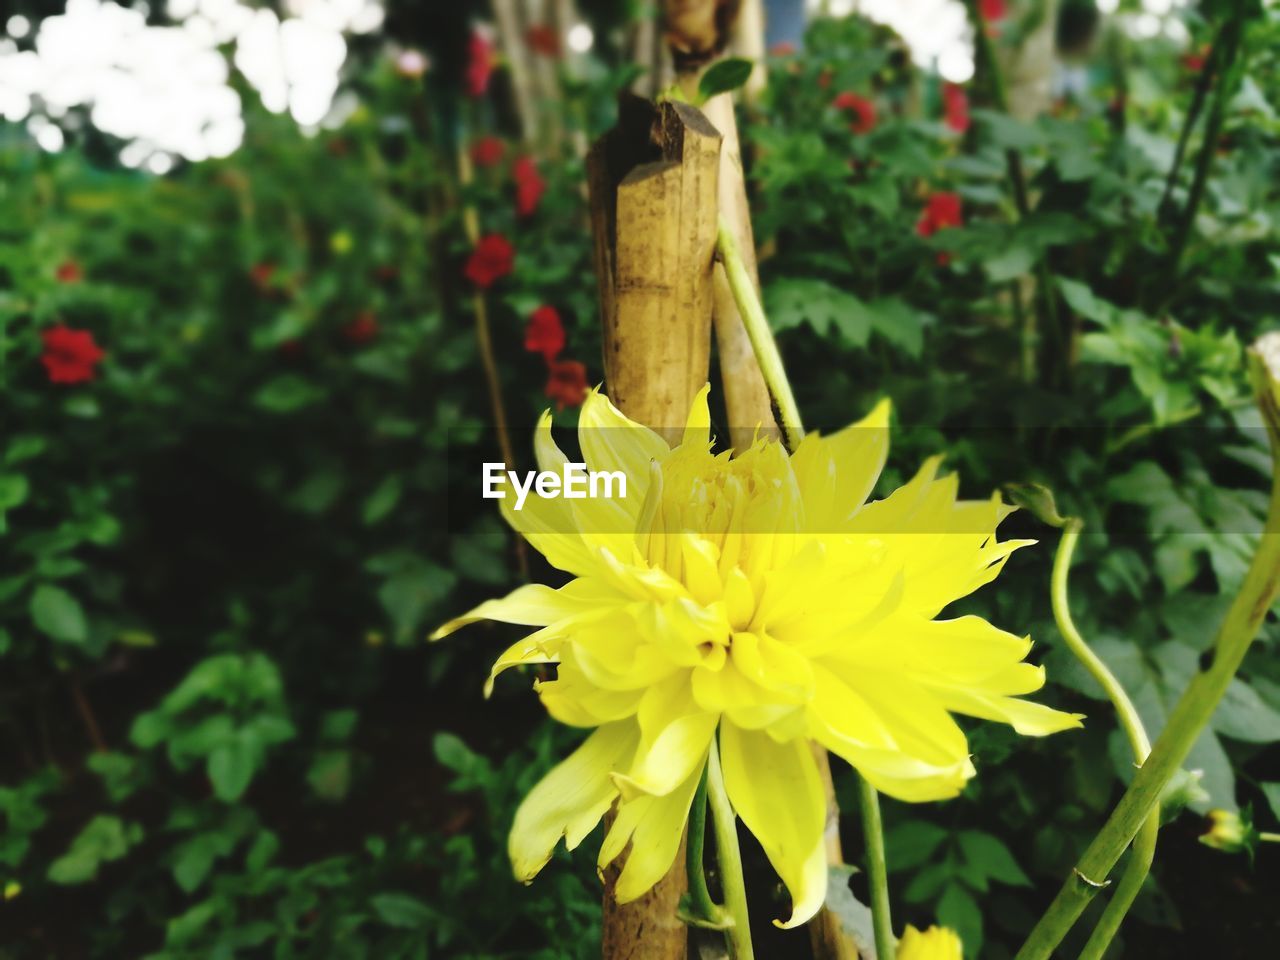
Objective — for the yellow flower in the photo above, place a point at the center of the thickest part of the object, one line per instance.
(1227, 831)
(762, 597)
(936, 943)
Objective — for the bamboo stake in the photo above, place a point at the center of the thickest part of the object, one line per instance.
(653, 184)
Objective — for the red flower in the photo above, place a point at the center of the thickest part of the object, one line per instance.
(487, 151)
(863, 110)
(567, 383)
(363, 328)
(69, 355)
(543, 39)
(955, 104)
(941, 211)
(544, 333)
(491, 260)
(529, 186)
(261, 274)
(782, 49)
(993, 10)
(480, 64)
(1194, 60)
(69, 272)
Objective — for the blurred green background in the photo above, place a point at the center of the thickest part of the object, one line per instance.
(228, 519)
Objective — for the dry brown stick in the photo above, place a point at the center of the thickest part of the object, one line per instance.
(87, 715)
(484, 343)
(653, 191)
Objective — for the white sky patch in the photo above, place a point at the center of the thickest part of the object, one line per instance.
(165, 90)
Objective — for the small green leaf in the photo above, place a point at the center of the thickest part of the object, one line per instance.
(383, 499)
(287, 393)
(104, 839)
(986, 854)
(58, 614)
(401, 910)
(231, 766)
(726, 75)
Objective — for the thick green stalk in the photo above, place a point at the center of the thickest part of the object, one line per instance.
(877, 871)
(1196, 706)
(1144, 845)
(775, 375)
(730, 859)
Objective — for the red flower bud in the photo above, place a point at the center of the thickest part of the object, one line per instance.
(487, 151)
(529, 186)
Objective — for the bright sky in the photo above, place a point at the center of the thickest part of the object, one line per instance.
(164, 90)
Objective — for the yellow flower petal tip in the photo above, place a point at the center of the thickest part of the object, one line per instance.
(766, 599)
(936, 943)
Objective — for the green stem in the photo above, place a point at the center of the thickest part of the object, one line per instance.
(766, 349)
(1144, 845)
(1269, 837)
(1232, 35)
(699, 896)
(1198, 98)
(877, 871)
(730, 859)
(1047, 294)
(1194, 709)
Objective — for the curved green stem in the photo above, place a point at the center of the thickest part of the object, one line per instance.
(730, 859)
(766, 349)
(1195, 707)
(699, 896)
(1144, 845)
(877, 871)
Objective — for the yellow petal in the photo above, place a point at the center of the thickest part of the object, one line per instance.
(836, 474)
(532, 605)
(775, 789)
(697, 429)
(936, 943)
(653, 826)
(610, 441)
(674, 735)
(570, 800)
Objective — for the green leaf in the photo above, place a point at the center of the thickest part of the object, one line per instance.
(1272, 792)
(287, 393)
(792, 302)
(231, 766)
(383, 499)
(23, 447)
(13, 490)
(723, 76)
(958, 910)
(407, 596)
(104, 839)
(1243, 715)
(58, 614)
(401, 910)
(911, 843)
(989, 856)
(330, 775)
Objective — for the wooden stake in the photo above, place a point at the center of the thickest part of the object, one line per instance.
(653, 184)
